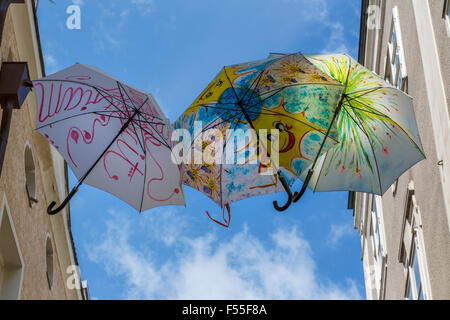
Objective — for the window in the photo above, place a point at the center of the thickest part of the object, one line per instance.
(11, 262)
(446, 15)
(49, 261)
(378, 246)
(395, 58)
(30, 176)
(396, 73)
(412, 252)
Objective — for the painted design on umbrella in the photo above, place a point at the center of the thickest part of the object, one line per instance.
(376, 127)
(274, 93)
(113, 137)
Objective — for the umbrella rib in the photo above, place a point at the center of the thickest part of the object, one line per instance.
(295, 119)
(361, 126)
(246, 116)
(232, 87)
(157, 132)
(401, 128)
(163, 142)
(366, 91)
(106, 97)
(101, 91)
(166, 144)
(277, 90)
(372, 108)
(98, 91)
(118, 117)
(206, 105)
(119, 85)
(74, 116)
(259, 77)
(266, 111)
(133, 107)
(377, 113)
(209, 126)
(124, 126)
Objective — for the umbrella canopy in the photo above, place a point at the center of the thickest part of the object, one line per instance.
(287, 94)
(376, 128)
(112, 136)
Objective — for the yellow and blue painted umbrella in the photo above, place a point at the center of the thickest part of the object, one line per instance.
(288, 93)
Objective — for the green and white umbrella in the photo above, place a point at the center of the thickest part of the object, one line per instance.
(376, 129)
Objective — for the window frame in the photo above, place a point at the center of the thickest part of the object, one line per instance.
(19, 264)
(378, 243)
(412, 250)
(395, 55)
(396, 72)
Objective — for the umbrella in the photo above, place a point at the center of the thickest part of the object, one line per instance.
(112, 136)
(282, 98)
(376, 128)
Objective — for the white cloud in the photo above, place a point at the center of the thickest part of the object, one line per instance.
(312, 9)
(144, 7)
(338, 232)
(113, 17)
(317, 11)
(204, 268)
(51, 63)
(336, 40)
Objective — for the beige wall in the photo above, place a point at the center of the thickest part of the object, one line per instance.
(427, 175)
(33, 225)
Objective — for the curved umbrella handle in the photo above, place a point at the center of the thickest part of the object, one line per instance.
(298, 195)
(52, 212)
(288, 191)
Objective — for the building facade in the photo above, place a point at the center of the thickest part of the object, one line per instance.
(405, 234)
(37, 255)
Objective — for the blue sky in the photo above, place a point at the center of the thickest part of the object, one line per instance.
(173, 49)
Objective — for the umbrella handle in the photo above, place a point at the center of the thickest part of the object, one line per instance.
(52, 212)
(298, 195)
(288, 191)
